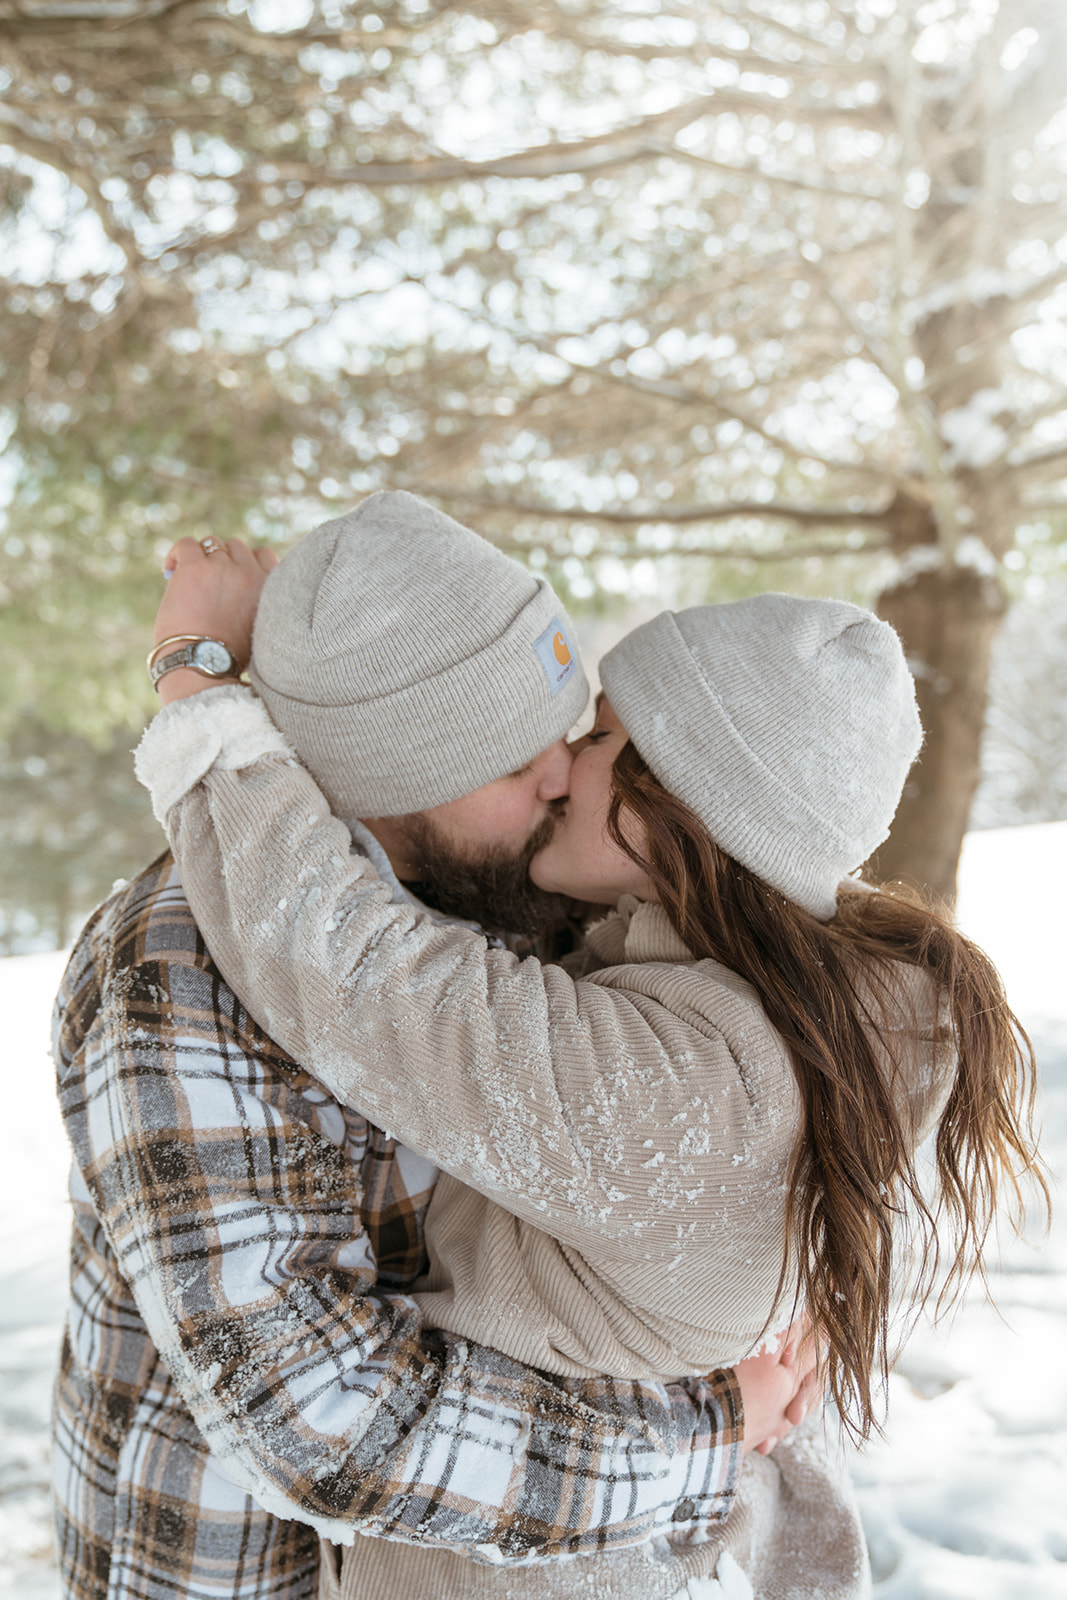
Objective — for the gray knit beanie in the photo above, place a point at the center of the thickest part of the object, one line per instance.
(787, 725)
(409, 662)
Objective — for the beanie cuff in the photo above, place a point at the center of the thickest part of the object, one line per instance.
(448, 734)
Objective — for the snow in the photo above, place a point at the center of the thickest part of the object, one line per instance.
(965, 1497)
(974, 437)
(33, 1238)
(976, 287)
(970, 552)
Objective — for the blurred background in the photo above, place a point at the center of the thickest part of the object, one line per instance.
(674, 301)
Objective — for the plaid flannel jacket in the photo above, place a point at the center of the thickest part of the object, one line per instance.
(238, 1339)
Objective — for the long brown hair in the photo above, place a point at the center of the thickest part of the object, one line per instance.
(853, 1186)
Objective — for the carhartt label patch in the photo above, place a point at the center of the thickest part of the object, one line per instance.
(557, 655)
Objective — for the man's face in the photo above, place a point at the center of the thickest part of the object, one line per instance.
(471, 857)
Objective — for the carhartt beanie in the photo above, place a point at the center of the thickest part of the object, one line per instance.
(408, 661)
(787, 725)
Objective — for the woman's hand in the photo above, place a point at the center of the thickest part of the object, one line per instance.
(779, 1388)
(212, 591)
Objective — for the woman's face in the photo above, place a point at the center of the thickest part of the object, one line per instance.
(581, 859)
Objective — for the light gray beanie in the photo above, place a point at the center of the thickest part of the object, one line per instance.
(787, 725)
(409, 662)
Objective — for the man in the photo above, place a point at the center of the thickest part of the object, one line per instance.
(240, 1350)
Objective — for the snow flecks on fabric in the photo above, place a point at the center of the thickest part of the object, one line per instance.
(538, 1094)
(580, 1164)
(729, 1583)
(734, 1582)
(695, 1142)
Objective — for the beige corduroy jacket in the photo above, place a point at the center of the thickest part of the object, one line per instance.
(615, 1148)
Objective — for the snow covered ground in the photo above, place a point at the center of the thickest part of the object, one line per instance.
(965, 1499)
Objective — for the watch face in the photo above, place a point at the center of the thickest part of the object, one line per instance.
(211, 656)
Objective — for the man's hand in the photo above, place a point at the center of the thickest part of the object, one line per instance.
(780, 1387)
(214, 592)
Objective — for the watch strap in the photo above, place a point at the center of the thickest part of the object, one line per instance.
(184, 656)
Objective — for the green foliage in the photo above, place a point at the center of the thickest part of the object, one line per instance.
(558, 270)
(710, 299)
(148, 455)
(73, 819)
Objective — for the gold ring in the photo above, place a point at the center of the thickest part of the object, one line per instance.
(210, 545)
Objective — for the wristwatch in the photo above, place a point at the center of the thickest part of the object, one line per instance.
(208, 656)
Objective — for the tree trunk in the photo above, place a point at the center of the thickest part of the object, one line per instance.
(948, 619)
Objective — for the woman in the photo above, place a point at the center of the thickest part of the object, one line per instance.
(719, 1119)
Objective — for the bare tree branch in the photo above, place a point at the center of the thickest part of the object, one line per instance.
(755, 171)
(622, 516)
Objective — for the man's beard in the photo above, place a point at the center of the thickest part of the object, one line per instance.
(492, 889)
